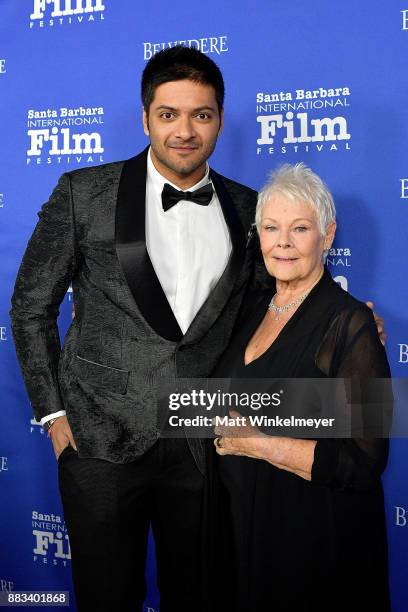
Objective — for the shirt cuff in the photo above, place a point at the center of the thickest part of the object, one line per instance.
(53, 415)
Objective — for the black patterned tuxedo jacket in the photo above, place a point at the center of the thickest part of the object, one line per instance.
(124, 336)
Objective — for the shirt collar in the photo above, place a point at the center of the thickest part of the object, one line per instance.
(157, 180)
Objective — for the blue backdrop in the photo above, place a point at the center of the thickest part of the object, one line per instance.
(322, 83)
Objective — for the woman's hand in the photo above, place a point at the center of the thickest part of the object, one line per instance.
(379, 321)
(288, 454)
(241, 440)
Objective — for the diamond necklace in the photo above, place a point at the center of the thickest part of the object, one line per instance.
(278, 310)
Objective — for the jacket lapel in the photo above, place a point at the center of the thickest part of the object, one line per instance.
(130, 243)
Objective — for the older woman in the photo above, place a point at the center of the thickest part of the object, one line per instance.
(306, 516)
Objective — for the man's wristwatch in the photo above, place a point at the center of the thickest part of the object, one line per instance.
(48, 424)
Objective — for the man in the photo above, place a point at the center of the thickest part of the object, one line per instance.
(158, 276)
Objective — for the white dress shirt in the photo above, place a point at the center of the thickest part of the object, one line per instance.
(189, 247)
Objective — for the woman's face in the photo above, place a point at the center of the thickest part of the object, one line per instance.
(291, 243)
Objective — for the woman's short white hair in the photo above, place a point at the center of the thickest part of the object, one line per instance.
(298, 182)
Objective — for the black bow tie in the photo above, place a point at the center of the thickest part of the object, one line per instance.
(171, 196)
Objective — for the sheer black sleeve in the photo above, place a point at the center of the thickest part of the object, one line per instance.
(352, 350)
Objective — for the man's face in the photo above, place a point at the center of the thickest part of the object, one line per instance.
(183, 125)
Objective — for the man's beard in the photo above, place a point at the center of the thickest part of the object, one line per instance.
(185, 168)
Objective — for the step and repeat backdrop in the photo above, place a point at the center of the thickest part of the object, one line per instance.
(324, 83)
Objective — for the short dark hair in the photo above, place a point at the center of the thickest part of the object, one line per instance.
(176, 64)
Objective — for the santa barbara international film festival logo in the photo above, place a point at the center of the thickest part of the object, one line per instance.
(303, 120)
(36, 427)
(51, 542)
(51, 13)
(338, 260)
(339, 256)
(65, 135)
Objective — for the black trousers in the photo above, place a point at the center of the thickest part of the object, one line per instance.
(108, 509)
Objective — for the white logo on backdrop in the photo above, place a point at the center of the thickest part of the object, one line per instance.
(405, 20)
(6, 585)
(404, 188)
(1, 200)
(209, 44)
(51, 542)
(2, 66)
(292, 121)
(55, 135)
(339, 257)
(49, 13)
(342, 281)
(3, 334)
(3, 464)
(36, 426)
(400, 516)
(403, 353)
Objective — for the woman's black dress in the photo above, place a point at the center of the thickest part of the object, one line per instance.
(297, 545)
